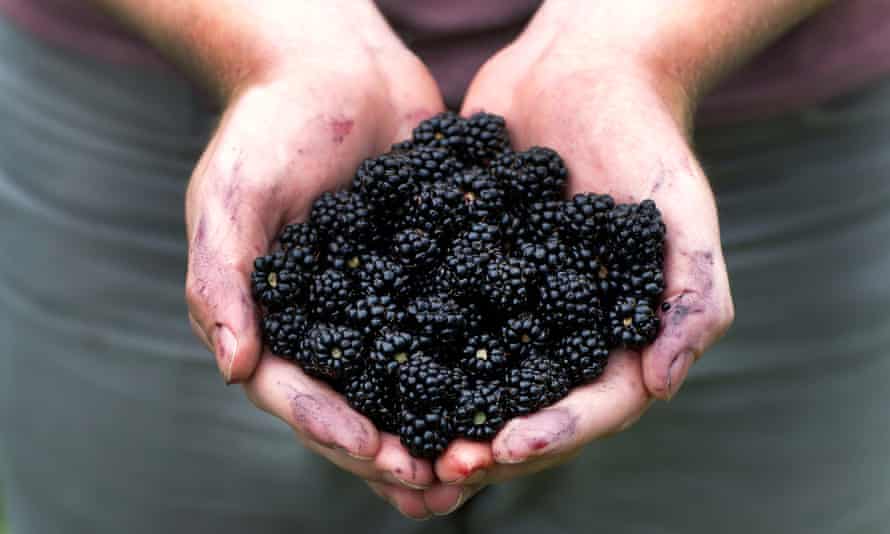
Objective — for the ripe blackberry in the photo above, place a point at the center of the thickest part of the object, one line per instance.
(483, 197)
(547, 257)
(331, 293)
(541, 221)
(341, 213)
(632, 322)
(372, 395)
(277, 281)
(446, 130)
(343, 253)
(437, 317)
(584, 354)
(479, 411)
(473, 316)
(639, 280)
(538, 382)
(535, 175)
(484, 356)
(424, 382)
(392, 348)
(470, 255)
(636, 233)
(331, 352)
(370, 314)
(425, 433)
(283, 331)
(386, 182)
(415, 249)
(486, 137)
(585, 218)
(569, 300)
(381, 275)
(298, 234)
(438, 210)
(431, 164)
(524, 333)
(508, 284)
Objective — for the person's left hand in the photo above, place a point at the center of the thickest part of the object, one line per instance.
(622, 128)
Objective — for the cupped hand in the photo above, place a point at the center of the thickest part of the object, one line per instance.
(300, 129)
(622, 128)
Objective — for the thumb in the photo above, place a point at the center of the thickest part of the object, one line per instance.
(221, 308)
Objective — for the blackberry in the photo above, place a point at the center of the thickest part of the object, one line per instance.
(438, 210)
(381, 275)
(523, 333)
(636, 233)
(535, 175)
(586, 218)
(437, 317)
(283, 331)
(483, 197)
(415, 249)
(632, 322)
(345, 254)
(341, 213)
(486, 137)
(508, 284)
(569, 300)
(276, 280)
(484, 356)
(298, 234)
(470, 255)
(446, 130)
(639, 280)
(431, 164)
(372, 395)
(331, 293)
(538, 382)
(370, 314)
(386, 182)
(331, 352)
(547, 257)
(541, 221)
(479, 411)
(424, 382)
(425, 433)
(583, 354)
(391, 349)
(473, 317)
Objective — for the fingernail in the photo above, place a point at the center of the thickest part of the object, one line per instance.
(354, 456)
(396, 481)
(457, 503)
(677, 372)
(226, 348)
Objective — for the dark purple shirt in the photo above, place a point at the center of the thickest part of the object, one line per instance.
(845, 46)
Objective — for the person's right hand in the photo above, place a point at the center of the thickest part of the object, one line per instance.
(291, 130)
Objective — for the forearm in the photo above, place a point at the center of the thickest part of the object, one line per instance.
(694, 42)
(225, 43)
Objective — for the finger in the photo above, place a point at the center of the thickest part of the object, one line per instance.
(697, 305)
(611, 404)
(312, 408)
(399, 467)
(464, 461)
(444, 500)
(408, 502)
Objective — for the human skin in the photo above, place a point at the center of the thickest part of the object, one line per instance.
(612, 86)
(309, 89)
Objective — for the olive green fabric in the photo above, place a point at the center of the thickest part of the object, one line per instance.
(114, 419)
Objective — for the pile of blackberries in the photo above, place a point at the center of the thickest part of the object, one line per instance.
(453, 288)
